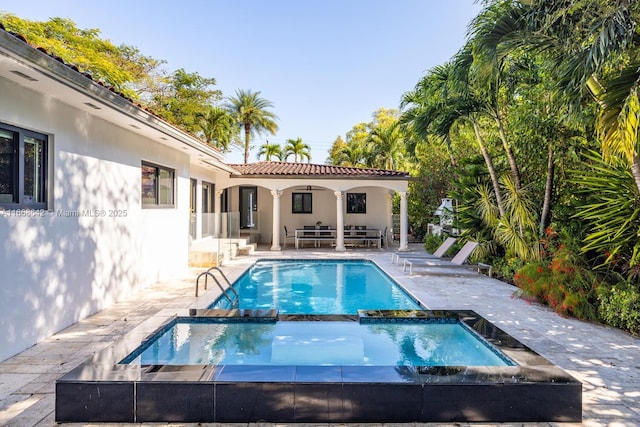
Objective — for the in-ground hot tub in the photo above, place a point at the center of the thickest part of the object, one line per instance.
(120, 385)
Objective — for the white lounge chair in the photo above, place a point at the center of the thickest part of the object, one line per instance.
(439, 253)
(458, 261)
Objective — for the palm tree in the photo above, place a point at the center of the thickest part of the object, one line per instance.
(385, 144)
(350, 154)
(270, 150)
(441, 103)
(298, 149)
(414, 116)
(250, 112)
(482, 79)
(218, 127)
(596, 46)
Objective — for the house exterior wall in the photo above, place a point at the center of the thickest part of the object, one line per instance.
(96, 244)
(324, 208)
(323, 201)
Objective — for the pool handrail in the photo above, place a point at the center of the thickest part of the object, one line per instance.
(208, 273)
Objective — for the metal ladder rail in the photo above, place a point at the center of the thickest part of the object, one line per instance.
(229, 287)
(206, 274)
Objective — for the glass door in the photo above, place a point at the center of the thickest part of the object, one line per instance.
(207, 208)
(248, 206)
(192, 209)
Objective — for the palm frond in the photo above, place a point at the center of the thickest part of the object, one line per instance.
(486, 206)
(619, 115)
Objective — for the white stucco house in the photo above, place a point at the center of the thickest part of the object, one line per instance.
(100, 198)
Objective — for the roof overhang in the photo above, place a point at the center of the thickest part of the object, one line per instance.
(37, 71)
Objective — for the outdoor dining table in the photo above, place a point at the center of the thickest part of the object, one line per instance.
(318, 235)
(315, 234)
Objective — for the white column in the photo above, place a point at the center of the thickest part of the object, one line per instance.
(340, 221)
(275, 239)
(404, 222)
(199, 209)
(389, 221)
(216, 208)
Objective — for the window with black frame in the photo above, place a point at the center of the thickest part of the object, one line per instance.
(23, 168)
(301, 203)
(158, 186)
(357, 203)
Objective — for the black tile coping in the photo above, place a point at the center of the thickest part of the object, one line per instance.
(535, 390)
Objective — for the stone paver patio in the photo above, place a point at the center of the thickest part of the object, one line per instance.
(605, 360)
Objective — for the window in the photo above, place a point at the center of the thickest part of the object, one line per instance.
(157, 186)
(23, 168)
(301, 203)
(356, 202)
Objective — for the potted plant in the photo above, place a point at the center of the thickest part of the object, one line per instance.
(318, 225)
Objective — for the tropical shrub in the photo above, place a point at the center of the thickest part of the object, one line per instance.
(560, 280)
(611, 210)
(505, 268)
(432, 242)
(619, 306)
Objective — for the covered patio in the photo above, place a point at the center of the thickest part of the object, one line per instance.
(317, 203)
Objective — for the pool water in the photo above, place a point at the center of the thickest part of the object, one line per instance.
(289, 356)
(317, 287)
(327, 343)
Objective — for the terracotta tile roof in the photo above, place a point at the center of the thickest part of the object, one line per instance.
(289, 169)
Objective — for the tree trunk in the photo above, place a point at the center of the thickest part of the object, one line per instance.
(635, 171)
(507, 148)
(247, 134)
(492, 170)
(452, 157)
(545, 216)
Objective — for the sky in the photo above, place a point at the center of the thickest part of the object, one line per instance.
(326, 65)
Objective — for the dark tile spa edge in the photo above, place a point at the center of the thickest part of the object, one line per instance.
(102, 390)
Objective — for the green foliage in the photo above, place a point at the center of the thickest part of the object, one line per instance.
(620, 307)
(505, 268)
(218, 127)
(375, 144)
(298, 149)
(433, 242)
(611, 208)
(385, 146)
(251, 113)
(426, 191)
(560, 280)
(269, 151)
(185, 100)
(122, 67)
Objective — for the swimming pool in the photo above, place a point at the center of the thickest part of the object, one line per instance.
(133, 380)
(104, 390)
(224, 341)
(317, 287)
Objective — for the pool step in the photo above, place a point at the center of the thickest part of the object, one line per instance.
(247, 249)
